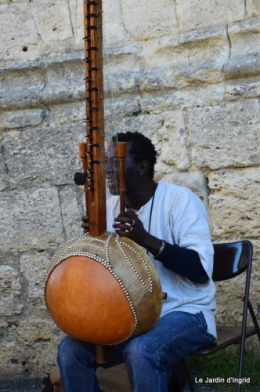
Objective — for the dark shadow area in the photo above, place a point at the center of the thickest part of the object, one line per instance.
(21, 385)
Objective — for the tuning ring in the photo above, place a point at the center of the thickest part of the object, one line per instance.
(133, 223)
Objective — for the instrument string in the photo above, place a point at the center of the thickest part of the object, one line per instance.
(110, 118)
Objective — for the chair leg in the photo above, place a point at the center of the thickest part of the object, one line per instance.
(253, 316)
(185, 370)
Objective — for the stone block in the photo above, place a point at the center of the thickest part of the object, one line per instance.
(194, 181)
(173, 140)
(34, 268)
(186, 50)
(234, 203)
(225, 135)
(243, 88)
(21, 88)
(20, 118)
(64, 81)
(52, 20)
(10, 292)
(32, 330)
(64, 70)
(177, 78)
(242, 67)
(148, 124)
(114, 31)
(122, 70)
(29, 346)
(9, 352)
(245, 38)
(72, 210)
(167, 132)
(253, 8)
(19, 36)
(182, 98)
(200, 14)
(43, 155)
(39, 338)
(115, 109)
(144, 20)
(67, 113)
(30, 219)
(76, 12)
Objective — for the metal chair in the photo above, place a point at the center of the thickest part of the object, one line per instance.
(230, 260)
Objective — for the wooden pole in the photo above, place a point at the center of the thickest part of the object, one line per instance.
(122, 153)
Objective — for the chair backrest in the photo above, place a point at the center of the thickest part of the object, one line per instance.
(231, 259)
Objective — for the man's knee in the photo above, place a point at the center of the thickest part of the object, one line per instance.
(136, 350)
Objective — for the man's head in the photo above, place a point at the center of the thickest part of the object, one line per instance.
(140, 161)
(140, 148)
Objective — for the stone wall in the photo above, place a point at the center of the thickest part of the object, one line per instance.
(183, 72)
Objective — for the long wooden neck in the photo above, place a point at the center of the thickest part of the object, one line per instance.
(92, 152)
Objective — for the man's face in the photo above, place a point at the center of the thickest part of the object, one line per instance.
(112, 171)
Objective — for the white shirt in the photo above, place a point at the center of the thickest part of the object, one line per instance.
(179, 217)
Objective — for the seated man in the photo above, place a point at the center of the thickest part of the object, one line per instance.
(170, 222)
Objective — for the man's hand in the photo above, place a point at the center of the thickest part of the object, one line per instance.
(130, 226)
(84, 225)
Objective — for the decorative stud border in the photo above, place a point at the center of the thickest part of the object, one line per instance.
(66, 250)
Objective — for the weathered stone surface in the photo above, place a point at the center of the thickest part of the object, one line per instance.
(167, 132)
(198, 14)
(180, 98)
(72, 210)
(64, 80)
(123, 106)
(115, 32)
(10, 291)
(20, 118)
(32, 341)
(37, 330)
(3, 177)
(52, 20)
(245, 38)
(67, 113)
(225, 135)
(176, 78)
(234, 203)
(253, 8)
(30, 219)
(21, 88)
(40, 155)
(123, 71)
(19, 37)
(173, 141)
(242, 67)
(246, 89)
(115, 109)
(76, 11)
(189, 49)
(148, 20)
(34, 268)
(147, 124)
(194, 181)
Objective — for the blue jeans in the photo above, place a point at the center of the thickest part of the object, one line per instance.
(147, 356)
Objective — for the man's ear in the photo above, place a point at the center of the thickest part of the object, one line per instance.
(143, 167)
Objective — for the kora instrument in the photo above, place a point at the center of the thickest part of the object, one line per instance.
(100, 288)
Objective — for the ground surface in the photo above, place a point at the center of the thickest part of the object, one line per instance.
(35, 385)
